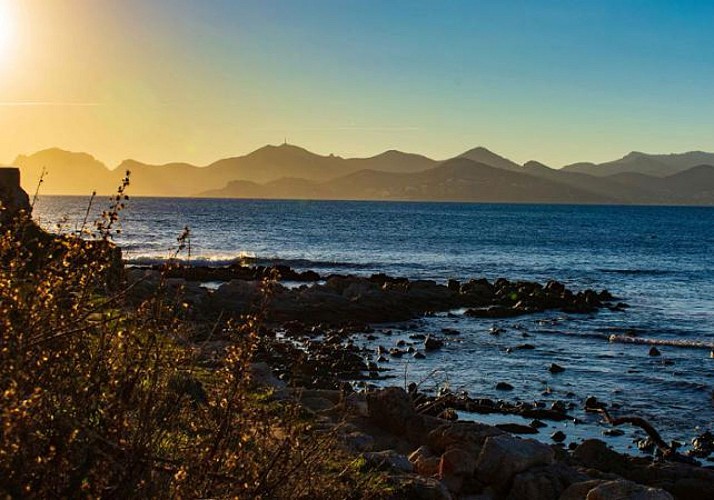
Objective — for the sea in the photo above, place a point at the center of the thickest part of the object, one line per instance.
(658, 260)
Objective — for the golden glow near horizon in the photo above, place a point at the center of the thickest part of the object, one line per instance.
(7, 31)
(182, 80)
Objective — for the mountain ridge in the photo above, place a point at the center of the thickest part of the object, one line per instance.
(288, 170)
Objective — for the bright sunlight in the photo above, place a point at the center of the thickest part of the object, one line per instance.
(7, 29)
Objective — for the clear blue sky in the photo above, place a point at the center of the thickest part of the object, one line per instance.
(557, 81)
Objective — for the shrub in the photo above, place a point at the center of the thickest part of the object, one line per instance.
(100, 399)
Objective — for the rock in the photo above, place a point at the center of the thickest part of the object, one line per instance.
(358, 441)
(654, 351)
(595, 454)
(693, 489)
(517, 428)
(703, 445)
(13, 198)
(525, 346)
(424, 461)
(456, 465)
(558, 436)
(262, 376)
(388, 459)
(418, 355)
(418, 488)
(432, 344)
(502, 457)
(626, 490)
(544, 483)
(391, 408)
(580, 490)
(453, 285)
(504, 386)
(537, 424)
(469, 436)
(613, 432)
(591, 403)
(554, 368)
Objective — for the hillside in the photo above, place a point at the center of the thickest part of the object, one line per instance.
(459, 179)
(658, 165)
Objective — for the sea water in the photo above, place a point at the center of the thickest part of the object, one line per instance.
(659, 260)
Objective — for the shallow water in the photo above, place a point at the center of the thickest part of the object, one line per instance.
(657, 259)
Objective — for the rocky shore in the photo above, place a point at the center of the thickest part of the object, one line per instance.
(309, 350)
(343, 299)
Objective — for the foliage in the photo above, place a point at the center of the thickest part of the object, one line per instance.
(100, 399)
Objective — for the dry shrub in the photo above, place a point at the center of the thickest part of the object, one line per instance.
(103, 400)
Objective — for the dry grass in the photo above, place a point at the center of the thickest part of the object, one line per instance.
(100, 400)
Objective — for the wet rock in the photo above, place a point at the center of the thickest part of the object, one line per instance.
(537, 424)
(453, 285)
(703, 445)
(517, 428)
(502, 457)
(554, 368)
(418, 355)
(613, 432)
(432, 344)
(504, 386)
(495, 312)
(558, 436)
(654, 351)
(592, 403)
(525, 346)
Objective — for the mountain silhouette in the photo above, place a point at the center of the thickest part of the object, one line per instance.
(658, 165)
(288, 171)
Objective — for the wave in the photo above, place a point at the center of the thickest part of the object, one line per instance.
(636, 272)
(691, 344)
(222, 260)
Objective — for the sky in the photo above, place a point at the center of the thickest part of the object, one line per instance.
(198, 80)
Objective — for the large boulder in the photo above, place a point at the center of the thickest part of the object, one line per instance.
(468, 436)
(595, 454)
(391, 408)
(626, 490)
(504, 456)
(544, 483)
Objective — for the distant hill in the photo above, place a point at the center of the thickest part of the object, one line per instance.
(65, 173)
(459, 179)
(659, 165)
(483, 155)
(288, 171)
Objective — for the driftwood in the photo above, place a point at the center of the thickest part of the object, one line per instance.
(669, 452)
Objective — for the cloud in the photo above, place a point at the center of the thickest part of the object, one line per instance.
(328, 129)
(49, 103)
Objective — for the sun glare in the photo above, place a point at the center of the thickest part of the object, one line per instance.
(7, 29)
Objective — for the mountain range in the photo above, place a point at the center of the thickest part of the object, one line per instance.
(478, 175)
